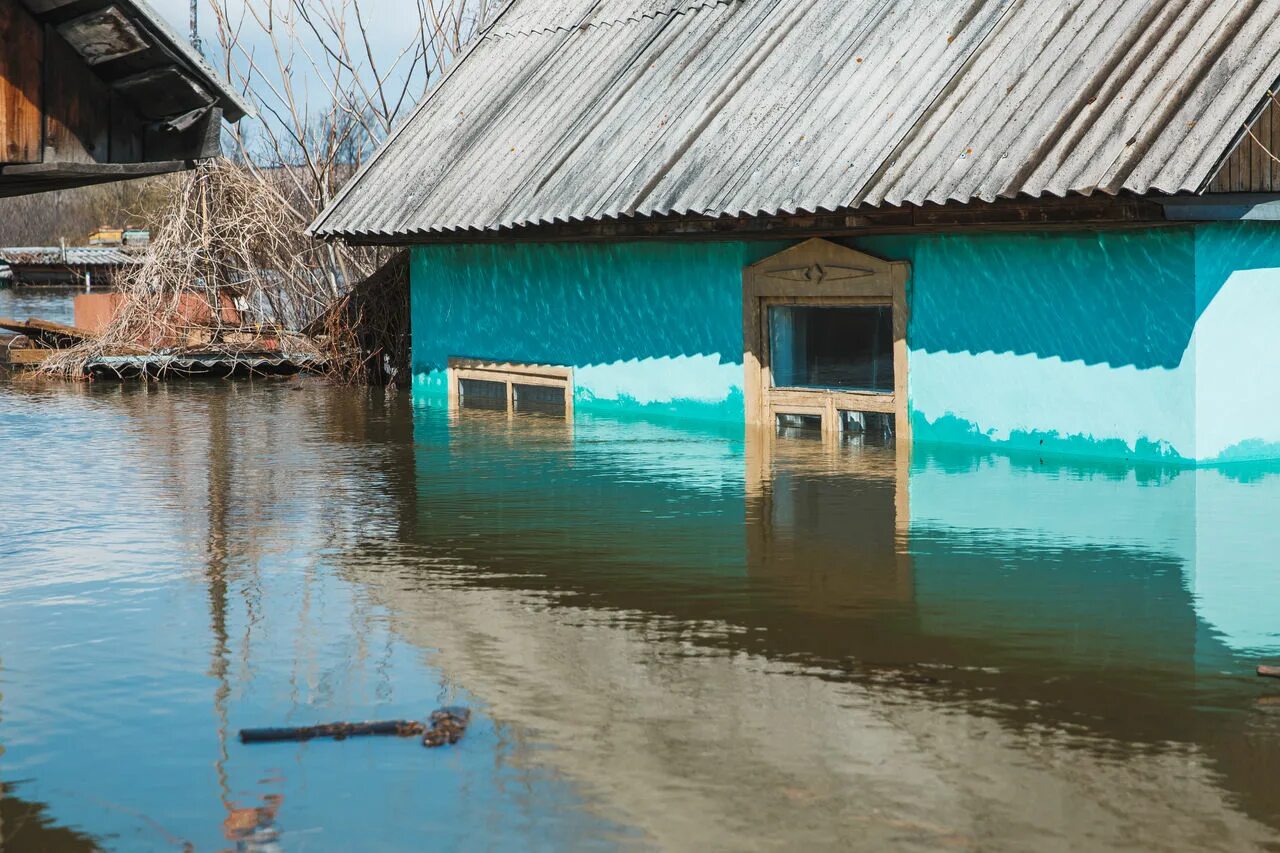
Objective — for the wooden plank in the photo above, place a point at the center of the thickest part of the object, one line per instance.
(549, 371)
(1269, 118)
(48, 332)
(1260, 180)
(27, 356)
(21, 78)
(1253, 152)
(1221, 181)
(1240, 177)
(1251, 166)
(126, 132)
(77, 106)
(93, 171)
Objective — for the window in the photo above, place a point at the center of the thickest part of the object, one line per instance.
(482, 394)
(839, 346)
(510, 387)
(798, 426)
(824, 340)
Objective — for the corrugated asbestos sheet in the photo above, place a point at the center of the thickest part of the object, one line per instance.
(588, 109)
(70, 256)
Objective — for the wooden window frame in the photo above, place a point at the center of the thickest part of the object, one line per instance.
(819, 272)
(510, 374)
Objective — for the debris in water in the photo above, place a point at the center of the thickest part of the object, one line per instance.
(337, 731)
(448, 725)
(1269, 671)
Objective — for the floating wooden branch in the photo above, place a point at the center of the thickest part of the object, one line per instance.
(337, 731)
(1269, 671)
(446, 726)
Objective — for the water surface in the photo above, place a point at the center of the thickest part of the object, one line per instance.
(671, 635)
(45, 303)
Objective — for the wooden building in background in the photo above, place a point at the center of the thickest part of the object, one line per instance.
(101, 90)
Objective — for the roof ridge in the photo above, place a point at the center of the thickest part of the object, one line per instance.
(671, 7)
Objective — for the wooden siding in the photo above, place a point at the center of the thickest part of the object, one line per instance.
(21, 71)
(77, 106)
(1251, 167)
(126, 132)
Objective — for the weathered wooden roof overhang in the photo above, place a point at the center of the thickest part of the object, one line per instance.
(98, 90)
(609, 116)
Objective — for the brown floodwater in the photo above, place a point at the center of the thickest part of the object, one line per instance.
(670, 634)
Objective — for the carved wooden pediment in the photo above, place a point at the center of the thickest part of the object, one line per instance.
(818, 273)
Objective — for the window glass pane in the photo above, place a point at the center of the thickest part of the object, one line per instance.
(480, 394)
(867, 426)
(539, 398)
(845, 347)
(799, 426)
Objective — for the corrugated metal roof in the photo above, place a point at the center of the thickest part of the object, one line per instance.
(70, 256)
(591, 109)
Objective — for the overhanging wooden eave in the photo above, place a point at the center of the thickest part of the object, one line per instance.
(21, 179)
(1050, 214)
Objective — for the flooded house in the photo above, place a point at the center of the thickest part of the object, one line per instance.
(1013, 224)
(102, 91)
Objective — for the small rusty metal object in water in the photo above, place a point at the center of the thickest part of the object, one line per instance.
(337, 731)
(1269, 671)
(447, 726)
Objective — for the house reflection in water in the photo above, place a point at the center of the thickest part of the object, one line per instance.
(668, 633)
(1102, 618)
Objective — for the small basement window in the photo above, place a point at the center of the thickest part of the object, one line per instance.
(799, 426)
(510, 386)
(548, 399)
(482, 394)
(875, 427)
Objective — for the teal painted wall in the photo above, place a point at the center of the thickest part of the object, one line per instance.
(1074, 341)
(1234, 351)
(1124, 344)
(654, 327)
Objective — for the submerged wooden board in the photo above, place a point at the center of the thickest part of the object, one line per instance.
(47, 331)
(24, 356)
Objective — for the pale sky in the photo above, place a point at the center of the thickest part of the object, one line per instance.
(387, 19)
(391, 24)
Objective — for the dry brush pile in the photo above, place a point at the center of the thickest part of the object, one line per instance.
(231, 268)
(232, 273)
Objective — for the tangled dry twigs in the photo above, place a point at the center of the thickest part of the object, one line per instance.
(231, 272)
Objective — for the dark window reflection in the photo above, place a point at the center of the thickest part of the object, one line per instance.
(481, 394)
(844, 347)
(539, 398)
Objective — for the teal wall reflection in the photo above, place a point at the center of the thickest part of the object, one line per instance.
(1051, 557)
(1121, 602)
